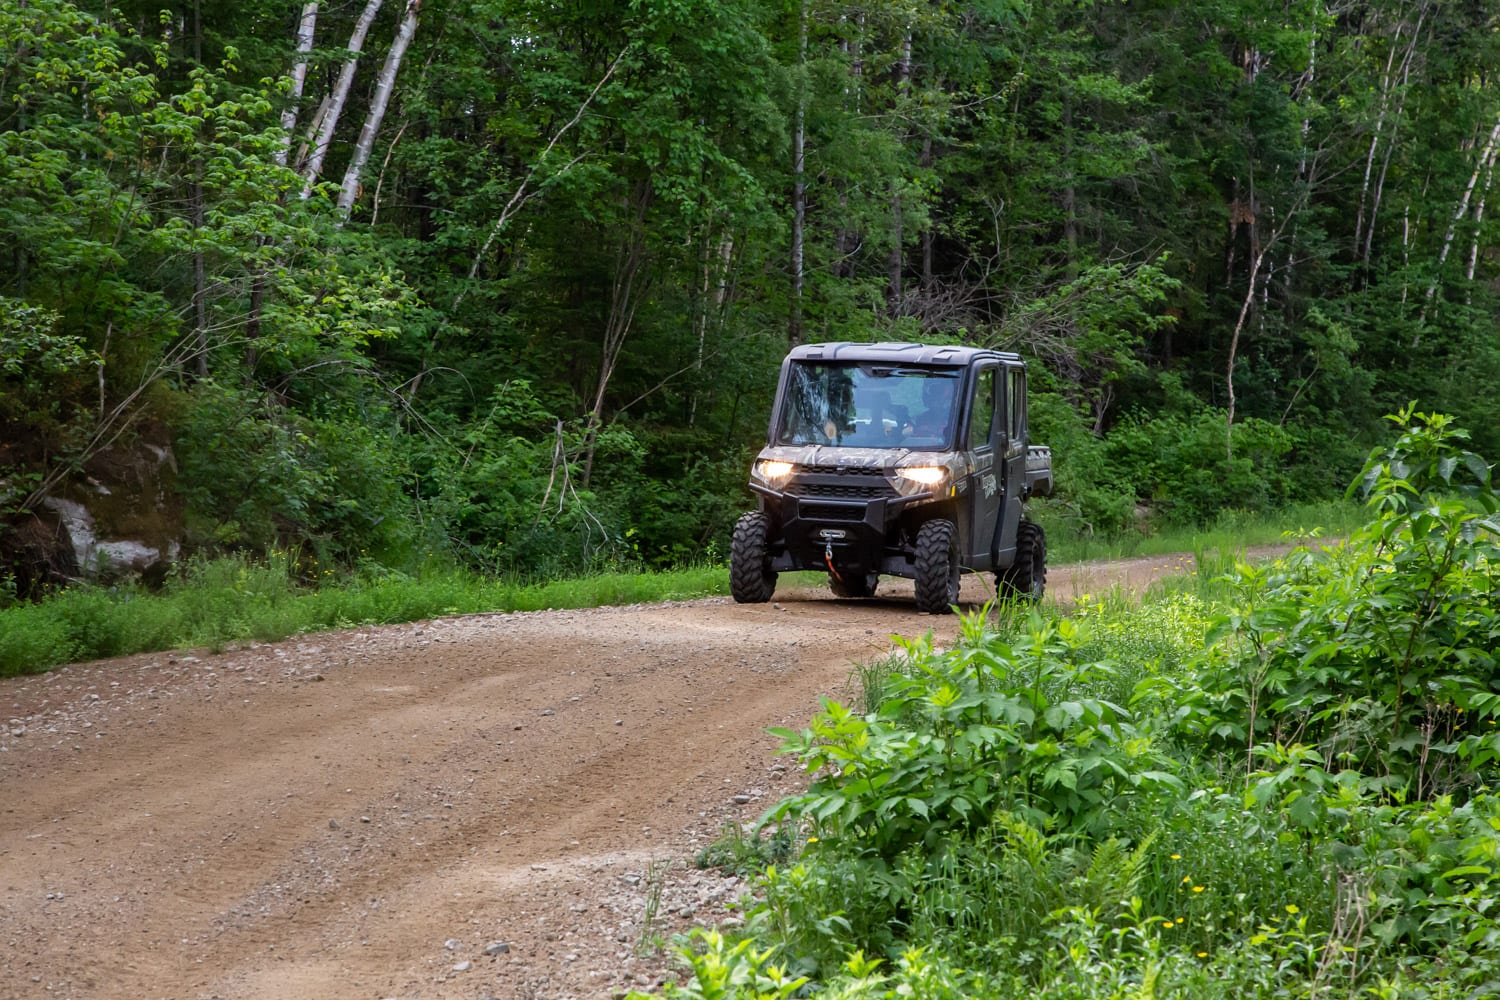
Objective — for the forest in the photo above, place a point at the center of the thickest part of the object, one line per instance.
(506, 283)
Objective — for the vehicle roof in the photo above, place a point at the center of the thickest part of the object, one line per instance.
(905, 354)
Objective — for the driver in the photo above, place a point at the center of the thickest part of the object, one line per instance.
(937, 403)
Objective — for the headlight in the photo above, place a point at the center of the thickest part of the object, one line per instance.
(772, 470)
(927, 475)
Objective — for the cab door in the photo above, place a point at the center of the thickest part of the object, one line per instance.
(1011, 436)
(985, 486)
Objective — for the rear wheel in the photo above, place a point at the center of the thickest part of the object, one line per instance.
(859, 585)
(1027, 577)
(751, 579)
(937, 567)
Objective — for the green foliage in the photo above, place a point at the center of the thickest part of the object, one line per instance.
(962, 736)
(743, 852)
(1093, 500)
(1179, 464)
(1317, 818)
(1380, 653)
(723, 969)
(256, 474)
(1091, 332)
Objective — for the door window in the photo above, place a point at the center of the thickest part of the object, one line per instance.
(1017, 387)
(982, 413)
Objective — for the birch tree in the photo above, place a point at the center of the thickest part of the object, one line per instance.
(328, 116)
(1481, 166)
(385, 85)
(305, 30)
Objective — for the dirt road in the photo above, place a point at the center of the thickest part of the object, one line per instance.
(491, 806)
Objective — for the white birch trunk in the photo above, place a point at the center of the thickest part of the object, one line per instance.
(305, 32)
(799, 181)
(1385, 95)
(328, 119)
(1406, 64)
(1463, 209)
(385, 84)
(1405, 250)
(1489, 176)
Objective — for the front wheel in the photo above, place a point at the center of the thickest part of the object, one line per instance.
(1027, 577)
(751, 578)
(937, 567)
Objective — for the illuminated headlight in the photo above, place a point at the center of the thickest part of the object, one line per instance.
(927, 475)
(772, 470)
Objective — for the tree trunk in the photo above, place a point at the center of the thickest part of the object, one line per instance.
(1385, 96)
(1259, 248)
(1385, 164)
(895, 262)
(1485, 156)
(799, 182)
(200, 278)
(927, 277)
(1069, 197)
(1489, 175)
(385, 84)
(713, 296)
(1234, 345)
(328, 117)
(299, 76)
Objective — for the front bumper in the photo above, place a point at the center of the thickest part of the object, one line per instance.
(852, 517)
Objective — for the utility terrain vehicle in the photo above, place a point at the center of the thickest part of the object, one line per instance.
(898, 459)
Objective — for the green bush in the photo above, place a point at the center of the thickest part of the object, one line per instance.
(1092, 498)
(256, 474)
(32, 639)
(1381, 653)
(983, 729)
(1182, 466)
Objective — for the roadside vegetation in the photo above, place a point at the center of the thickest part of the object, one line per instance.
(231, 599)
(1274, 782)
(239, 598)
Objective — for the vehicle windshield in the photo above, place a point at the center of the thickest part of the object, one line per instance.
(868, 405)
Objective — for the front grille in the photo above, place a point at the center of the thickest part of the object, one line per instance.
(831, 512)
(837, 470)
(841, 491)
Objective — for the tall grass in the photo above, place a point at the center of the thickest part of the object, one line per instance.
(236, 600)
(1232, 529)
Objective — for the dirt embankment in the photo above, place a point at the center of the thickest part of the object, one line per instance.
(491, 806)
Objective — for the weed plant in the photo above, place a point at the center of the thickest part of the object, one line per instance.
(741, 851)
